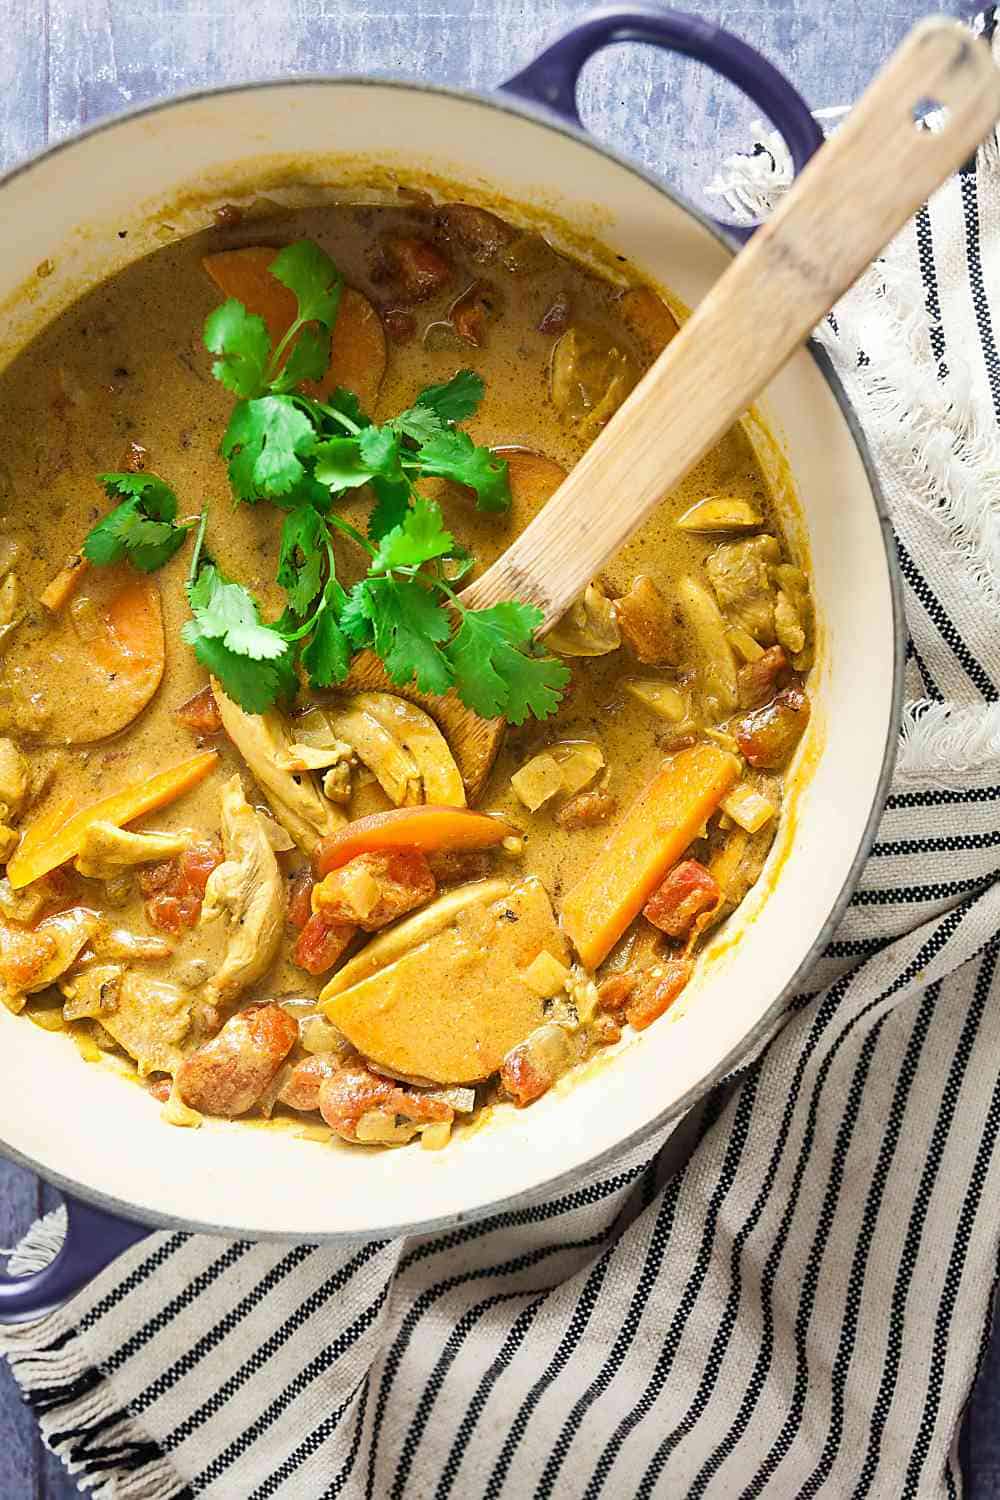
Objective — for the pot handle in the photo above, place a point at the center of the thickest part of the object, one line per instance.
(93, 1240)
(551, 80)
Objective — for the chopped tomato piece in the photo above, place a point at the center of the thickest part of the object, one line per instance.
(768, 736)
(758, 681)
(587, 809)
(688, 890)
(155, 878)
(420, 269)
(373, 889)
(176, 887)
(475, 230)
(615, 992)
(321, 943)
(196, 865)
(300, 889)
(200, 713)
(400, 325)
(172, 913)
(352, 1092)
(657, 990)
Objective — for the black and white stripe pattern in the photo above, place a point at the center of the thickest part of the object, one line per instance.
(790, 1297)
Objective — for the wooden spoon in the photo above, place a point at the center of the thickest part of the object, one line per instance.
(858, 190)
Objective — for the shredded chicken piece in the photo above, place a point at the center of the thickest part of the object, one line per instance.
(151, 1020)
(14, 777)
(265, 743)
(741, 577)
(248, 890)
(106, 849)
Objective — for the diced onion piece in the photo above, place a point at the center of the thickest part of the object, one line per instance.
(461, 1100)
(538, 780)
(320, 1035)
(436, 1136)
(545, 974)
(744, 644)
(579, 761)
(379, 1128)
(176, 1112)
(720, 513)
(588, 628)
(658, 696)
(748, 808)
(723, 738)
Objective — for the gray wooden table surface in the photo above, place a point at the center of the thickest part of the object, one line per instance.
(67, 63)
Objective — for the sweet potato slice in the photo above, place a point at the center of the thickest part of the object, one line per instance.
(357, 348)
(98, 662)
(652, 836)
(452, 1005)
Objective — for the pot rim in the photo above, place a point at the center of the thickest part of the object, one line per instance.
(546, 119)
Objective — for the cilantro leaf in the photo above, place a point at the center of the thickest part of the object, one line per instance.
(158, 499)
(379, 447)
(340, 465)
(309, 272)
(228, 612)
(242, 339)
(419, 538)
(456, 399)
(308, 361)
(255, 685)
(419, 423)
(141, 528)
(408, 623)
(327, 657)
(453, 455)
(264, 443)
(300, 559)
(392, 501)
(357, 615)
(346, 401)
(493, 675)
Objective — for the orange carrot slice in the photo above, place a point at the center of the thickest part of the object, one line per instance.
(652, 836)
(63, 585)
(39, 853)
(426, 827)
(357, 348)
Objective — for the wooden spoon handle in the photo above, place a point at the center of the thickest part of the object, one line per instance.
(857, 191)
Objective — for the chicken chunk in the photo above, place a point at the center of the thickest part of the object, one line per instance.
(31, 961)
(14, 777)
(360, 1106)
(228, 1074)
(248, 890)
(265, 743)
(151, 1020)
(740, 574)
(106, 850)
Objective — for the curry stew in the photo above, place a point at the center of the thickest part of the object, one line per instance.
(264, 892)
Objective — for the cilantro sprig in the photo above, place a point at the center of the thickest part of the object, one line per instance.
(304, 454)
(141, 528)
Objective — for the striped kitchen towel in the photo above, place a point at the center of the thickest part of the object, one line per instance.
(792, 1295)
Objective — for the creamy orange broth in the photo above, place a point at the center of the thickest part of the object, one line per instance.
(126, 364)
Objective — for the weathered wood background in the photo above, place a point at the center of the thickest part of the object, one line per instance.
(66, 63)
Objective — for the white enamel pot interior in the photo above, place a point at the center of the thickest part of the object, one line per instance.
(102, 1138)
